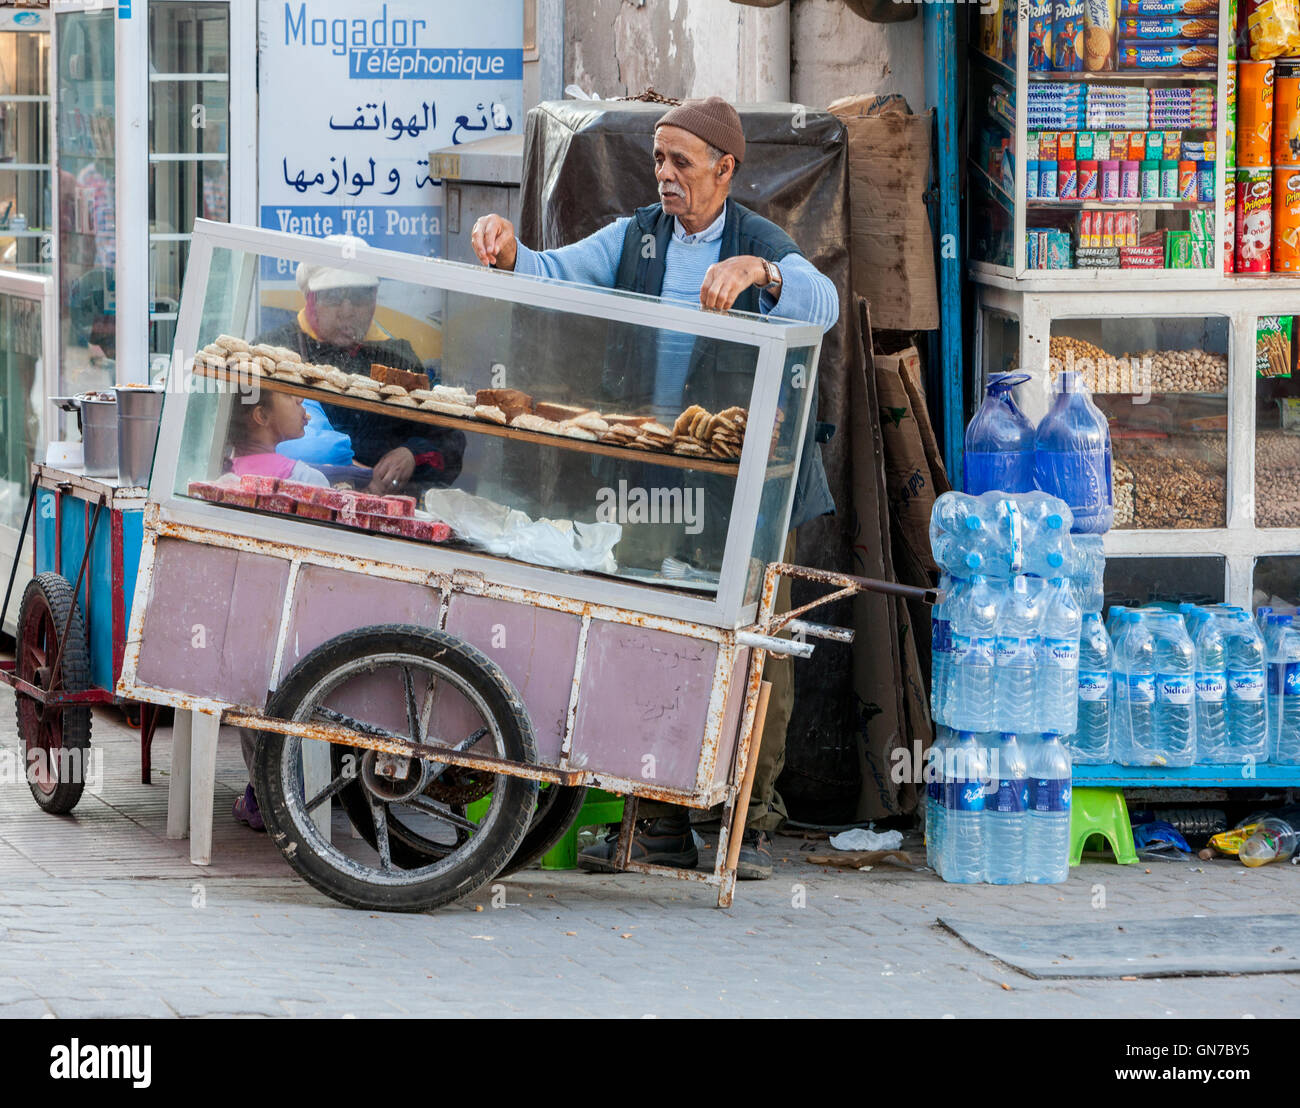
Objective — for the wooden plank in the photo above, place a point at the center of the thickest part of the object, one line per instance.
(482, 427)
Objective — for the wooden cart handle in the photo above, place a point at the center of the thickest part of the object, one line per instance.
(747, 784)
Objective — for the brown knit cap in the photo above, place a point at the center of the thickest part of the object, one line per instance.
(713, 120)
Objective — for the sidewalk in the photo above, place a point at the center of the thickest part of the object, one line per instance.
(101, 915)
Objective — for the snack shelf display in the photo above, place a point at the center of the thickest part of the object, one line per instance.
(1202, 395)
(1144, 139)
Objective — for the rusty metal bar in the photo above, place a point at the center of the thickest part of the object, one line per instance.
(325, 732)
(820, 630)
(774, 645)
(626, 829)
(859, 584)
(18, 553)
(54, 699)
(76, 588)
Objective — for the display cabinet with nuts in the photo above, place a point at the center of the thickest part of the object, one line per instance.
(1202, 395)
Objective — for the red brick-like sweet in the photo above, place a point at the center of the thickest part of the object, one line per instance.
(297, 490)
(370, 505)
(383, 524)
(314, 511)
(402, 507)
(276, 503)
(204, 490)
(427, 530)
(238, 498)
(255, 482)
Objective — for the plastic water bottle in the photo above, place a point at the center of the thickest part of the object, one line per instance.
(1006, 813)
(941, 647)
(974, 631)
(1286, 748)
(1175, 710)
(1087, 572)
(1133, 726)
(1090, 743)
(1058, 675)
(963, 861)
(1072, 456)
(1246, 685)
(1273, 840)
(1047, 854)
(999, 442)
(1261, 616)
(1016, 660)
(1211, 654)
(1272, 633)
(934, 797)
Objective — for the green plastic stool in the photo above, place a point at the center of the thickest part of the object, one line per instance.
(599, 807)
(1101, 814)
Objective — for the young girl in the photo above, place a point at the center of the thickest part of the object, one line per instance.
(257, 429)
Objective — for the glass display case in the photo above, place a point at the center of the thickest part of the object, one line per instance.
(1204, 411)
(154, 130)
(27, 371)
(579, 442)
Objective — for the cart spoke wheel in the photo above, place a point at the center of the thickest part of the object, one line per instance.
(56, 739)
(417, 849)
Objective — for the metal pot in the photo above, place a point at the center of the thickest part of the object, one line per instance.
(97, 422)
(139, 411)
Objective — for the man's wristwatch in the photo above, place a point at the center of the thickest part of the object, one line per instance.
(772, 275)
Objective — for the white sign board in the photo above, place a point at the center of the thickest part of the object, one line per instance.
(350, 105)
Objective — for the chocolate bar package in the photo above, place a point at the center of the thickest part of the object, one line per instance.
(1177, 8)
(1173, 54)
(1201, 29)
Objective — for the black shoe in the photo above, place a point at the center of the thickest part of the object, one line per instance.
(666, 841)
(755, 862)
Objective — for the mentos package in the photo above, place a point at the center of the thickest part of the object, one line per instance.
(1067, 35)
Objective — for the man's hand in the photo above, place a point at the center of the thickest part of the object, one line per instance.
(391, 472)
(725, 281)
(494, 241)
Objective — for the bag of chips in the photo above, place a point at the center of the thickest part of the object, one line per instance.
(1273, 27)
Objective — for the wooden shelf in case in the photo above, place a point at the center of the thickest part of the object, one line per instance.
(482, 427)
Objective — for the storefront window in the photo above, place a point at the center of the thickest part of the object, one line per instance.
(1277, 583)
(189, 146)
(1133, 582)
(1277, 424)
(25, 177)
(1163, 386)
(22, 396)
(87, 200)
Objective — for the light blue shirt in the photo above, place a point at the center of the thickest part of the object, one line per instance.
(806, 294)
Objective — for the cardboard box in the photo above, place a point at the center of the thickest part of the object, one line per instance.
(892, 247)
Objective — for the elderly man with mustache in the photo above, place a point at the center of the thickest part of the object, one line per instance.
(709, 251)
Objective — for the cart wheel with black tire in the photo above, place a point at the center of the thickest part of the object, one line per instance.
(417, 849)
(53, 656)
(412, 845)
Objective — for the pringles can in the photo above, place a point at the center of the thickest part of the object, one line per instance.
(1254, 220)
(1286, 219)
(1254, 114)
(1286, 112)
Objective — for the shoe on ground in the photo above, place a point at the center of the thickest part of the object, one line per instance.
(755, 861)
(666, 841)
(246, 810)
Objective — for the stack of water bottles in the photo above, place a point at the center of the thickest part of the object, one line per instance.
(1005, 676)
(1208, 685)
